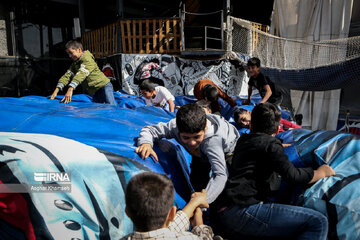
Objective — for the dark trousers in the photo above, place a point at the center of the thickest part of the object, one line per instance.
(200, 173)
(199, 178)
(105, 95)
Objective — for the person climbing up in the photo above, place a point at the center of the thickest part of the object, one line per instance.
(242, 118)
(85, 71)
(267, 89)
(207, 137)
(206, 89)
(149, 198)
(259, 164)
(157, 95)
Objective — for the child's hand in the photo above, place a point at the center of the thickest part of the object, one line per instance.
(197, 219)
(199, 199)
(54, 94)
(323, 171)
(68, 95)
(145, 150)
(326, 170)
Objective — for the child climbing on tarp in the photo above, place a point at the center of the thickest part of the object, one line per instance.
(267, 89)
(242, 118)
(207, 90)
(258, 165)
(207, 137)
(85, 71)
(157, 95)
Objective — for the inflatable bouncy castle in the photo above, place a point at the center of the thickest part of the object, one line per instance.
(94, 145)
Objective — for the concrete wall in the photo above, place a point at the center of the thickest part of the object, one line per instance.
(3, 40)
(3, 35)
(355, 20)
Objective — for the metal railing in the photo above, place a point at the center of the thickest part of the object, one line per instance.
(183, 14)
(215, 39)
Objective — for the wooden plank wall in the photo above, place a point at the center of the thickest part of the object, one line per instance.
(151, 36)
(261, 27)
(137, 36)
(101, 42)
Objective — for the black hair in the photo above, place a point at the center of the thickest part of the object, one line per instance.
(149, 196)
(204, 104)
(210, 92)
(254, 61)
(265, 118)
(239, 112)
(74, 45)
(298, 119)
(147, 85)
(191, 118)
(156, 80)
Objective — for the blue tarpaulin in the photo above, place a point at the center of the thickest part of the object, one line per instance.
(95, 143)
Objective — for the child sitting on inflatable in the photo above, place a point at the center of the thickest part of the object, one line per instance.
(267, 89)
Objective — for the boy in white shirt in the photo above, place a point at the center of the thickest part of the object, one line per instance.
(156, 96)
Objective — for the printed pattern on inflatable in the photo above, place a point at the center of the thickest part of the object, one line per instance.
(95, 206)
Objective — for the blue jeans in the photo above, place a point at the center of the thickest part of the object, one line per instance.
(105, 95)
(267, 220)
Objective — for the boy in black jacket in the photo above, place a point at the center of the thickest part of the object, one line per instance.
(267, 89)
(258, 162)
